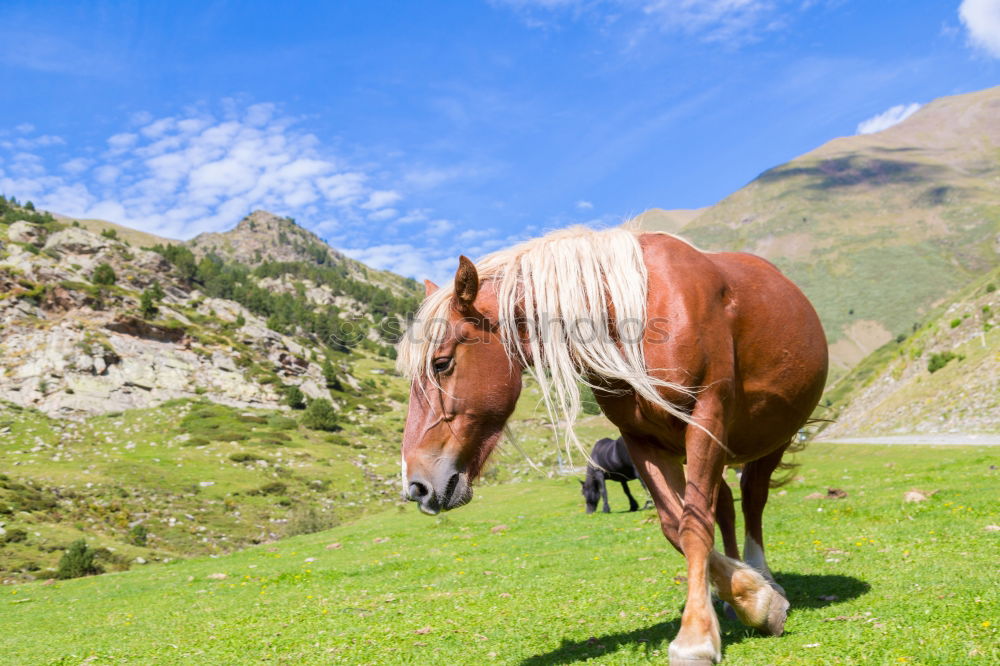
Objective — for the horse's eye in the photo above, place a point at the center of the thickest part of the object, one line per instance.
(443, 364)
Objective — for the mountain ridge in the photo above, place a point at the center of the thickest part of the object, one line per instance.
(164, 323)
(917, 201)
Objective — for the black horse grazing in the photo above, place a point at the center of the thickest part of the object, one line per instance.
(616, 465)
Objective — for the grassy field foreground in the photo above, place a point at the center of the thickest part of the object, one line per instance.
(523, 576)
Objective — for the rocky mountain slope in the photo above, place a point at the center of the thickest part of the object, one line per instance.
(944, 377)
(877, 228)
(77, 342)
(262, 237)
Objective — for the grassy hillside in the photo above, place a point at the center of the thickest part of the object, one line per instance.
(202, 478)
(132, 236)
(523, 576)
(876, 228)
(943, 377)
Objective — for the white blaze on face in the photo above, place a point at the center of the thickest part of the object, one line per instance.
(402, 469)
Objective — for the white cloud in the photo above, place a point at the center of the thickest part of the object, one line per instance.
(887, 118)
(32, 142)
(106, 174)
(122, 141)
(25, 128)
(181, 175)
(438, 227)
(730, 22)
(199, 171)
(383, 214)
(584, 205)
(715, 20)
(982, 20)
(77, 165)
(415, 215)
(381, 199)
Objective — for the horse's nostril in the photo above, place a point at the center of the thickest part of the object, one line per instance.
(418, 490)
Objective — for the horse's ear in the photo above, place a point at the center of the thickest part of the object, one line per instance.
(466, 285)
(429, 288)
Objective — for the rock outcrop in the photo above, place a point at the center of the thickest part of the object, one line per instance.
(69, 346)
(25, 232)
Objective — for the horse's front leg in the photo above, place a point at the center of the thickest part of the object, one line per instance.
(698, 642)
(663, 476)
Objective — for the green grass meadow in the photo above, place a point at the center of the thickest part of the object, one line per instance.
(524, 576)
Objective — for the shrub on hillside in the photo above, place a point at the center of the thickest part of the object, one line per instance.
(294, 397)
(104, 275)
(939, 360)
(14, 535)
(156, 290)
(78, 561)
(245, 457)
(320, 415)
(147, 305)
(273, 488)
(138, 535)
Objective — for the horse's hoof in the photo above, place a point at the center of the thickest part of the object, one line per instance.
(703, 653)
(777, 613)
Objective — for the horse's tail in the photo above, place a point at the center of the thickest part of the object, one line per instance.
(789, 467)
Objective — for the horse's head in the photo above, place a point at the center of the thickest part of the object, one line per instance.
(460, 399)
(591, 488)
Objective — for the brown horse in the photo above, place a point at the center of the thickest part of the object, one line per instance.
(700, 358)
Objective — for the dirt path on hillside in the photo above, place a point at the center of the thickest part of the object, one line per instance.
(950, 439)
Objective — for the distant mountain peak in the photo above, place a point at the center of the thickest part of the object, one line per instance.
(263, 236)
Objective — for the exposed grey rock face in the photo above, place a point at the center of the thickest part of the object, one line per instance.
(80, 368)
(74, 240)
(65, 358)
(71, 347)
(25, 232)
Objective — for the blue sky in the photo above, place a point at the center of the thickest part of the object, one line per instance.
(408, 132)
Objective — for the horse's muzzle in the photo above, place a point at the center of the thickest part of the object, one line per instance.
(450, 491)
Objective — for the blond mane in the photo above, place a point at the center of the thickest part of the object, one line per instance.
(565, 288)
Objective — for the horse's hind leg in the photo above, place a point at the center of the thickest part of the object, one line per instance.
(632, 504)
(754, 484)
(725, 516)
